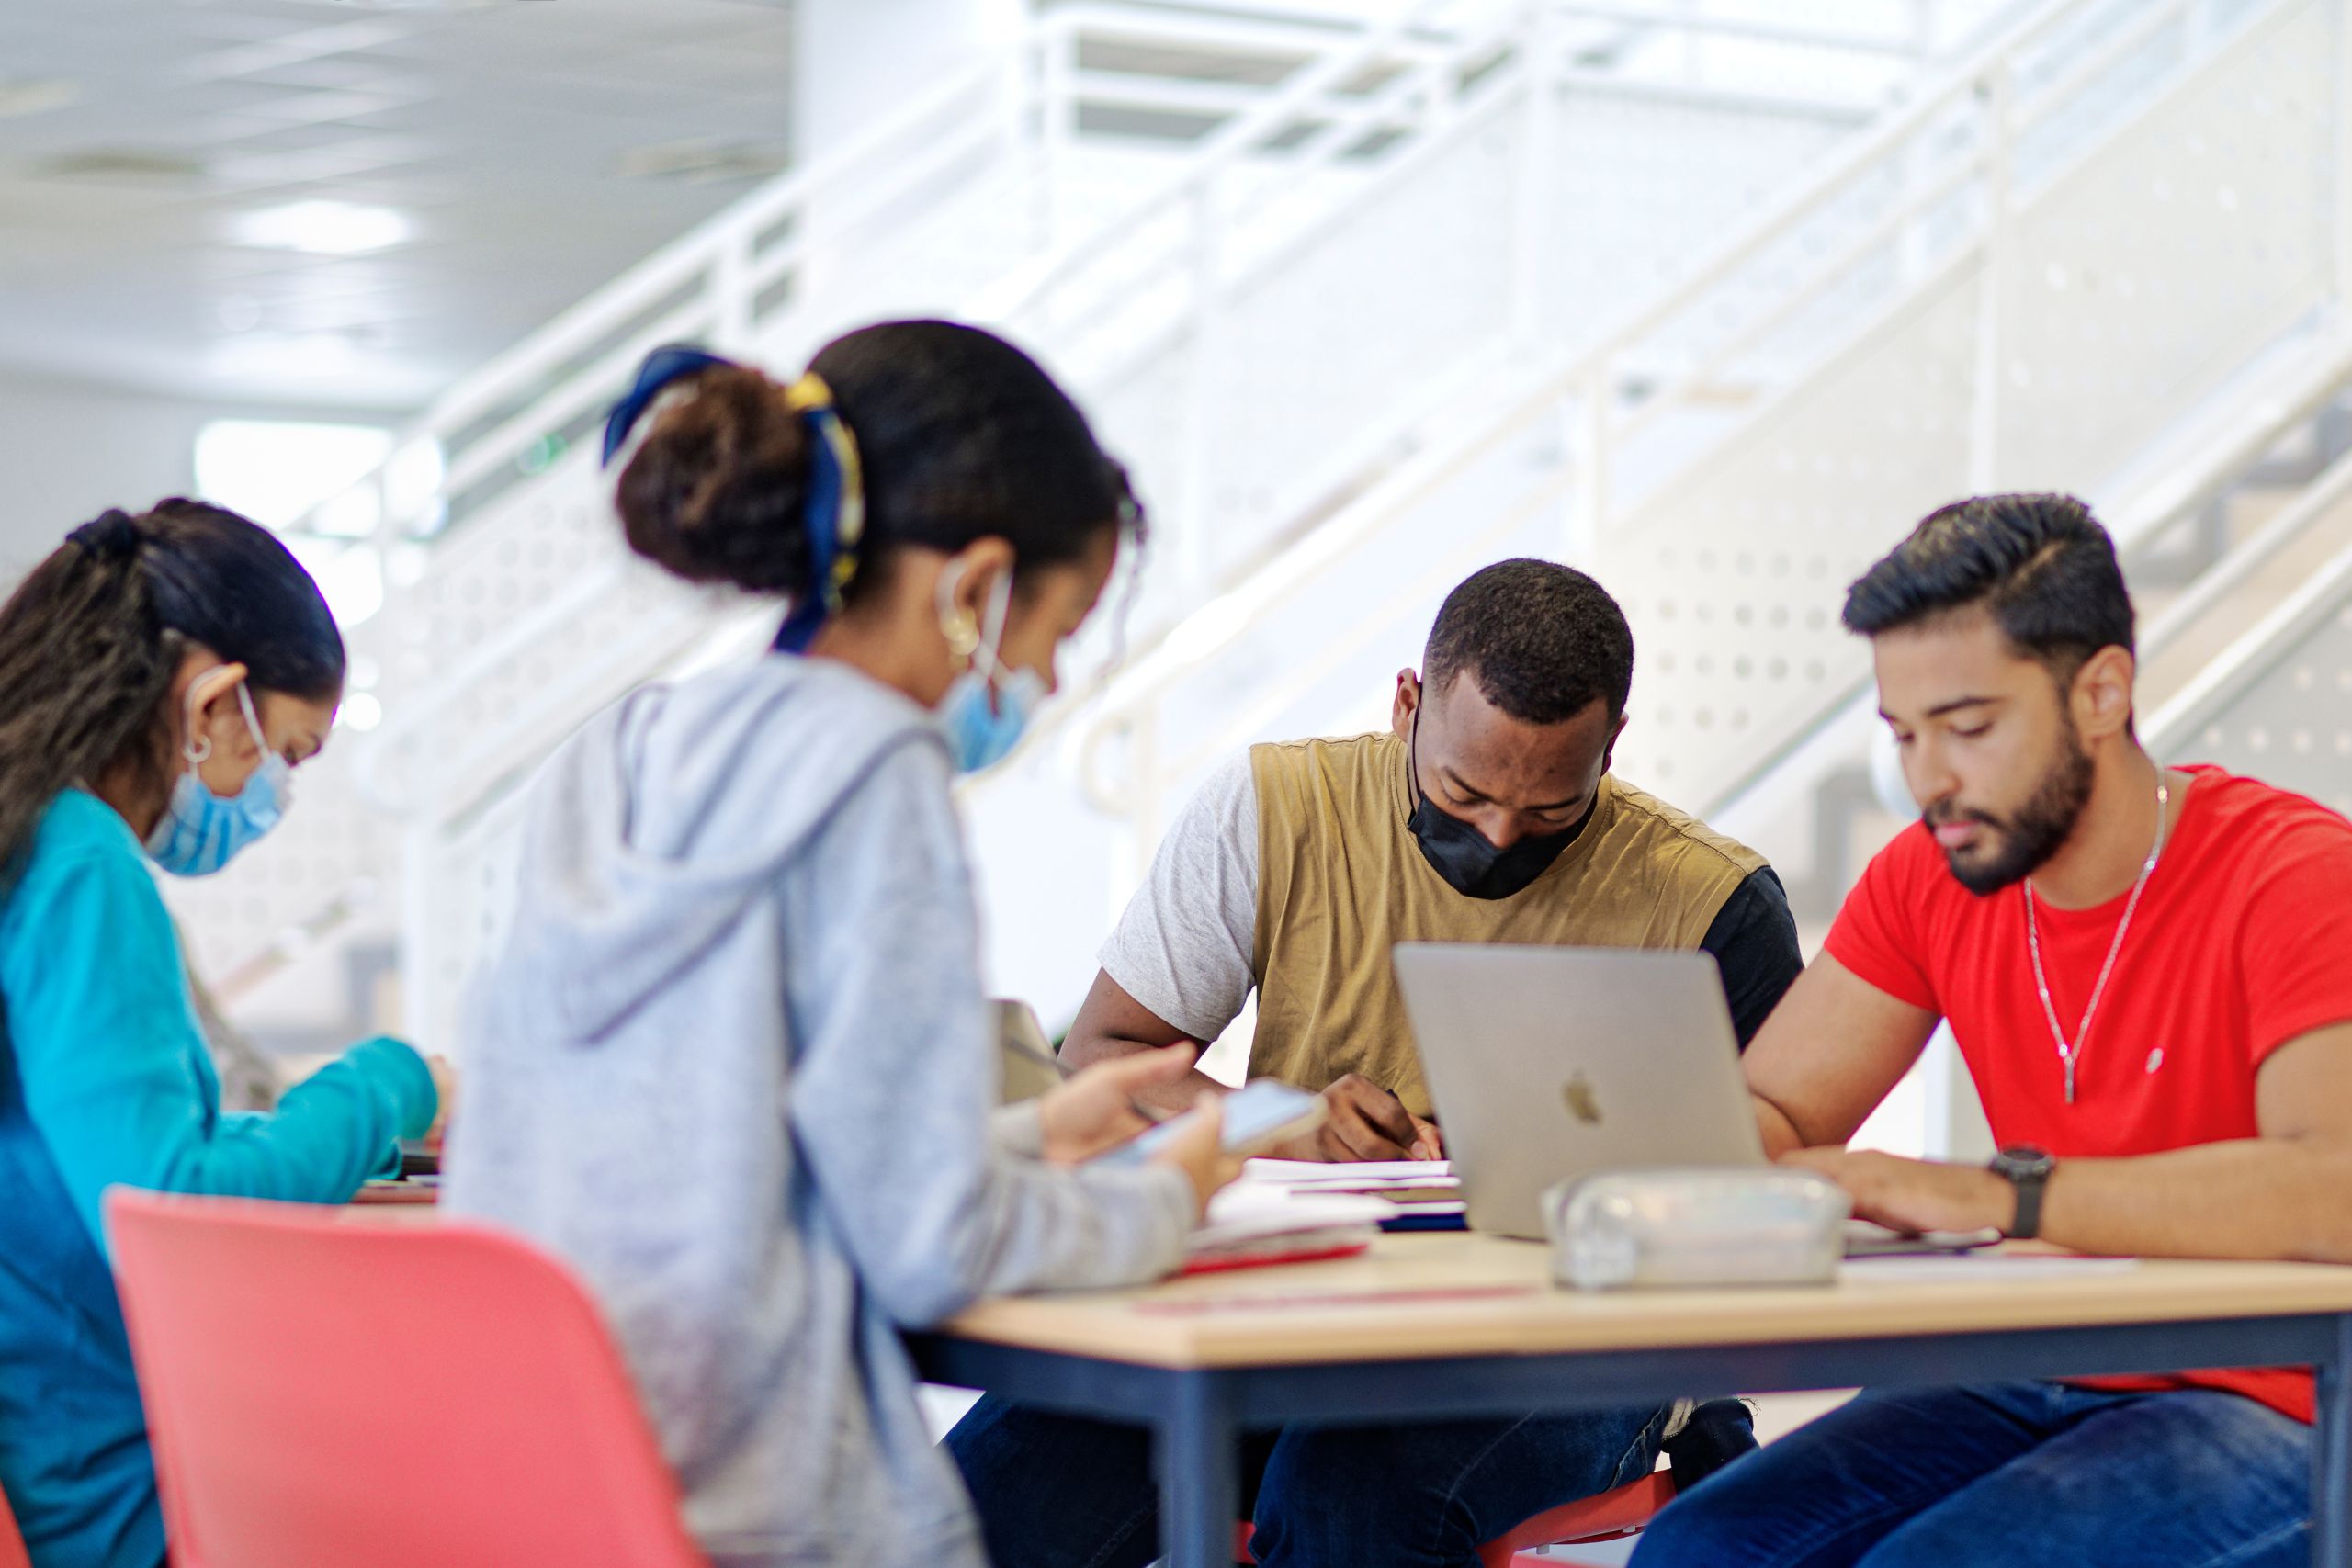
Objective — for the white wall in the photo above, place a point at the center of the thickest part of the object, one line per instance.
(70, 450)
(857, 61)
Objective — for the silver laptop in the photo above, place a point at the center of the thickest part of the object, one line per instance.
(1547, 1063)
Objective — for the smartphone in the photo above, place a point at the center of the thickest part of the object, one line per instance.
(1258, 1115)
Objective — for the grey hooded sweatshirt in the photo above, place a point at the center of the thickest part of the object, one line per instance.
(732, 1065)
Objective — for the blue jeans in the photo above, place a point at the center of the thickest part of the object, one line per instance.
(2007, 1474)
(1064, 1492)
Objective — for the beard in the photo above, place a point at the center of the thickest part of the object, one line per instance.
(2030, 835)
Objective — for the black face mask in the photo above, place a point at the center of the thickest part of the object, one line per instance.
(1460, 854)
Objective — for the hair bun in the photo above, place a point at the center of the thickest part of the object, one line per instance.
(111, 535)
(718, 488)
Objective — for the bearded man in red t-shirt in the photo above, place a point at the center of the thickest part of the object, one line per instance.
(2149, 973)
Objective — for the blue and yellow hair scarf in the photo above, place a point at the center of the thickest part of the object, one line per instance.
(835, 519)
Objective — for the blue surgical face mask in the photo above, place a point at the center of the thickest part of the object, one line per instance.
(200, 831)
(988, 705)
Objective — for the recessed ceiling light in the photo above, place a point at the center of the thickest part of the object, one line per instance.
(323, 228)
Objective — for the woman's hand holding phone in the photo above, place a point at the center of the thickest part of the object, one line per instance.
(1095, 1111)
(1096, 1108)
(1197, 1148)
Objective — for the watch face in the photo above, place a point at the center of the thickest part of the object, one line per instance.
(2023, 1159)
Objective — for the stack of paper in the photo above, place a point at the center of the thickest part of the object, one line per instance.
(1261, 1222)
(1425, 1186)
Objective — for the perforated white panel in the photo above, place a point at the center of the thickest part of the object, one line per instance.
(1413, 277)
(2292, 726)
(1345, 330)
(2162, 253)
(1731, 578)
(2169, 256)
(471, 881)
(327, 843)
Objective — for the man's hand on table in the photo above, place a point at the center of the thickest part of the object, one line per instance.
(1913, 1194)
(1365, 1123)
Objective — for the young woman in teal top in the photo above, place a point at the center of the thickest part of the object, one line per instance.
(160, 676)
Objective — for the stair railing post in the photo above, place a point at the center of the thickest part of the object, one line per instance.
(1203, 384)
(1588, 519)
(419, 956)
(1985, 424)
(1053, 54)
(730, 292)
(1532, 206)
(1131, 800)
(1143, 795)
(2340, 174)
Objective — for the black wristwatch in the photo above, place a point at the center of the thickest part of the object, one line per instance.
(2027, 1169)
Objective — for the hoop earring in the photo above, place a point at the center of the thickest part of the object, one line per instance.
(959, 626)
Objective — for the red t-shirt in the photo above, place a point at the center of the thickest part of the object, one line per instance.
(2242, 942)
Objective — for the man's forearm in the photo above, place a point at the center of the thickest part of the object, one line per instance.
(2257, 1198)
(1781, 1135)
(1084, 1051)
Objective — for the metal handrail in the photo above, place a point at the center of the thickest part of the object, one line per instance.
(683, 272)
(2323, 495)
(1223, 149)
(664, 275)
(678, 268)
(1271, 115)
(1735, 28)
(2175, 506)
(2247, 658)
(1585, 369)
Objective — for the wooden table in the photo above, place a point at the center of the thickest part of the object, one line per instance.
(1442, 1325)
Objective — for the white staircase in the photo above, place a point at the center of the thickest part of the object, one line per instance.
(2103, 256)
(1360, 286)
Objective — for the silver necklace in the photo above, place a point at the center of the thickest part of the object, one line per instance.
(2069, 1051)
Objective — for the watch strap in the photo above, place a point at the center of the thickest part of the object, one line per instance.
(2028, 1185)
(2027, 1173)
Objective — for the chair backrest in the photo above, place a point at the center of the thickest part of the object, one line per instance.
(379, 1395)
(1612, 1514)
(12, 1545)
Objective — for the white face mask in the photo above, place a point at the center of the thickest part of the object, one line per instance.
(199, 831)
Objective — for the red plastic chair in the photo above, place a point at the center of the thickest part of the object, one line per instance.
(376, 1395)
(12, 1545)
(1621, 1512)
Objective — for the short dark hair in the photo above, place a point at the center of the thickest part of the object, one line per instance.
(2041, 564)
(1544, 641)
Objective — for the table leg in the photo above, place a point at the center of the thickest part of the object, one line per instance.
(2331, 1456)
(1200, 1461)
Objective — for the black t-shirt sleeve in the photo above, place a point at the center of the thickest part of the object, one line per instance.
(1754, 938)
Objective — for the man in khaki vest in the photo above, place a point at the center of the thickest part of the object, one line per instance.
(1488, 814)
(1297, 868)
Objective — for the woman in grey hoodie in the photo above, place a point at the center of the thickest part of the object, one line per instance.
(732, 1061)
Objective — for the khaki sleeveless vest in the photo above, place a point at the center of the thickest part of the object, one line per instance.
(1341, 881)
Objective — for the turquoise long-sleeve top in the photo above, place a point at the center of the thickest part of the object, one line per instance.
(105, 1081)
